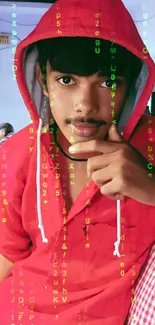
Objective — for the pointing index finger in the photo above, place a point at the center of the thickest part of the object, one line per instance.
(94, 146)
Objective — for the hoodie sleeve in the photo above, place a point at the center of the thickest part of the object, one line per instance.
(15, 243)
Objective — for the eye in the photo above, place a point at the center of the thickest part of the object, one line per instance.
(66, 80)
(110, 83)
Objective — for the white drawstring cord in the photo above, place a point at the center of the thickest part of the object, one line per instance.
(40, 225)
(117, 243)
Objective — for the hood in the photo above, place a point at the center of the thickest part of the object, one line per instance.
(104, 19)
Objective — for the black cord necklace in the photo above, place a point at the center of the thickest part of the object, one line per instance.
(57, 143)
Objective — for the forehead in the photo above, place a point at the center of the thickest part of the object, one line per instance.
(104, 72)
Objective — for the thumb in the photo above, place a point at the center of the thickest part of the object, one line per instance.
(114, 135)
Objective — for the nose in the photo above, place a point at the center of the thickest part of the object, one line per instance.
(86, 102)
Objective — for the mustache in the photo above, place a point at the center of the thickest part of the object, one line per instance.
(84, 120)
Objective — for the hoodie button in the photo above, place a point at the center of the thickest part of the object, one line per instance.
(45, 287)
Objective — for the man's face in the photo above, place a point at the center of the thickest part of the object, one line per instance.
(2, 134)
(80, 104)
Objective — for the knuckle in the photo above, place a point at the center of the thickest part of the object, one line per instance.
(122, 183)
(119, 168)
(121, 175)
(122, 152)
(122, 167)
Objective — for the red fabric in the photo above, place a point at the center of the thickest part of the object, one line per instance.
(143, 307)
(93, 274)
(99, 285)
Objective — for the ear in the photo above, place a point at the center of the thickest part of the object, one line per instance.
(40, 79)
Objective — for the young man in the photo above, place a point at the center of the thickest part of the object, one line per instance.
(6, 131)
(71, 256)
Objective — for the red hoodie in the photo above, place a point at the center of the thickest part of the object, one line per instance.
(62, 275)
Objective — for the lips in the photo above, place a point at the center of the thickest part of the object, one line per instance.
(85, 129)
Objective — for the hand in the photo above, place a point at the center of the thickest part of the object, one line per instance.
(119, 170)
